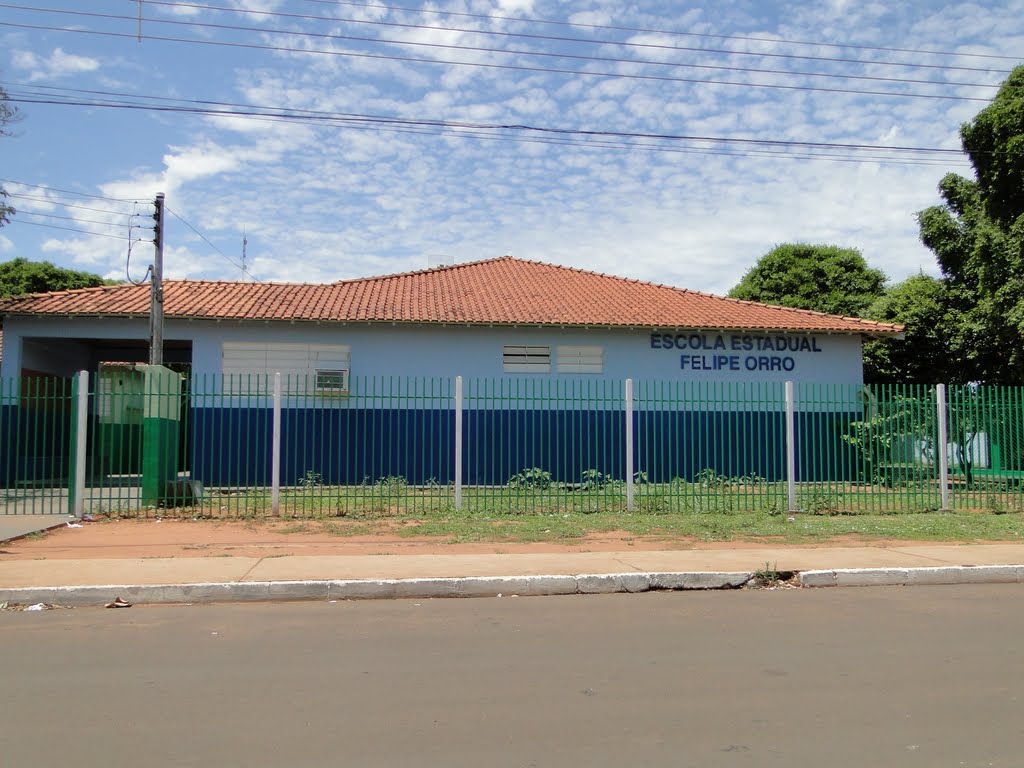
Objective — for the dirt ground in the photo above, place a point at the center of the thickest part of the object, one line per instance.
(277, 538)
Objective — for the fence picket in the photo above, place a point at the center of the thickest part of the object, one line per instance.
(526, 445)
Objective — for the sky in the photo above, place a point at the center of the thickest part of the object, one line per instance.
(321, 140)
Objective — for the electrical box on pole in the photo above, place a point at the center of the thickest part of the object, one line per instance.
(156, 293)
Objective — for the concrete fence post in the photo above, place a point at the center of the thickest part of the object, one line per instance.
(275, 450)
(791, 445)
(458, 443)
(629, 445)
(81, 440)
(943, 437)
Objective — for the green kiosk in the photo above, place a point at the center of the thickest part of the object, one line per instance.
(139, 415)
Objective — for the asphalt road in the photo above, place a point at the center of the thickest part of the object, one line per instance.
(923, 676)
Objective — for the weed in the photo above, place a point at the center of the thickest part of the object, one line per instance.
(392, 484)
(709, 478)
(310, 480)
(652, 504)
(534, 478)
(768, 576)
(594, 480)
(819, 502)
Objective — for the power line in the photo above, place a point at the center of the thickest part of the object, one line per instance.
(455, 131)
(563, 39)
(464, 133)
(66, 205)
(68, 229)
(67, 191)
(493, 66)
(641, 30)
(218, 250)
(230, 109)
(73, 218)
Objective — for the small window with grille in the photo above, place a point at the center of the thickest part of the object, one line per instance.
(526, 359)
(331, 382)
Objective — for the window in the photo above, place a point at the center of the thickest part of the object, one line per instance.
(581, 359)
(331, 382)
(523, 359)
(248, 366)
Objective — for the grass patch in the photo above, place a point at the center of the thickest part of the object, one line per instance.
(295, 528)
(745, 526)
(711, 508)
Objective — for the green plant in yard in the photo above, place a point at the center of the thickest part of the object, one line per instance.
(533, 478)
(819, 502)
(594, 480)
(709, 478)
(652, 504)
(310, 479)
(392, 483)
(889, 424)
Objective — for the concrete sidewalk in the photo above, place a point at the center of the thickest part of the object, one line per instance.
(15, 526)
(198, 579)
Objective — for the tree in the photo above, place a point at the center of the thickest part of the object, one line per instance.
(21, 276)
(926, 354)
(825, 278)
(8, 115)
(977, 235)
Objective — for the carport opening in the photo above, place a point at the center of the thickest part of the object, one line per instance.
(114, 451)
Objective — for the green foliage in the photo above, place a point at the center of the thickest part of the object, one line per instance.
(769, 576)
(392, 484)
(977, 235)
(594, 480)
(534, 477)
(994, 140)
(710, 479)
(820, 502)
(924, 355)
(310, 480)
(825, 278)
(888, 424)
(8, 115)
(21, 276)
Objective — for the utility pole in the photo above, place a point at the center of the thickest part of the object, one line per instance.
(156, 289)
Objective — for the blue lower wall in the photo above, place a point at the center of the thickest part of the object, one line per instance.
(231, 447)
(35, 445)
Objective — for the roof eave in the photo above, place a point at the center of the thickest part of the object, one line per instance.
(870, 331)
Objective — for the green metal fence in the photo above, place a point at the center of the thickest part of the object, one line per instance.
(139, 440)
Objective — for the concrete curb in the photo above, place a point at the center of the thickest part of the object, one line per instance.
(375, 589)
(877, 577)
(494, 586)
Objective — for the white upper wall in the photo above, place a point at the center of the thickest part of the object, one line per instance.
(410, 350)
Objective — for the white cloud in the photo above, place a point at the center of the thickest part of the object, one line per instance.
(524, 7)
(325, 202)
(57, 64)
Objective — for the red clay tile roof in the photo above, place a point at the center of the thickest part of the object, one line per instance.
(502, 291)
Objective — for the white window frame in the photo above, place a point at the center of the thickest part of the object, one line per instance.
(295, 361)
(526, 358)
(580, 359)
(341, 373)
